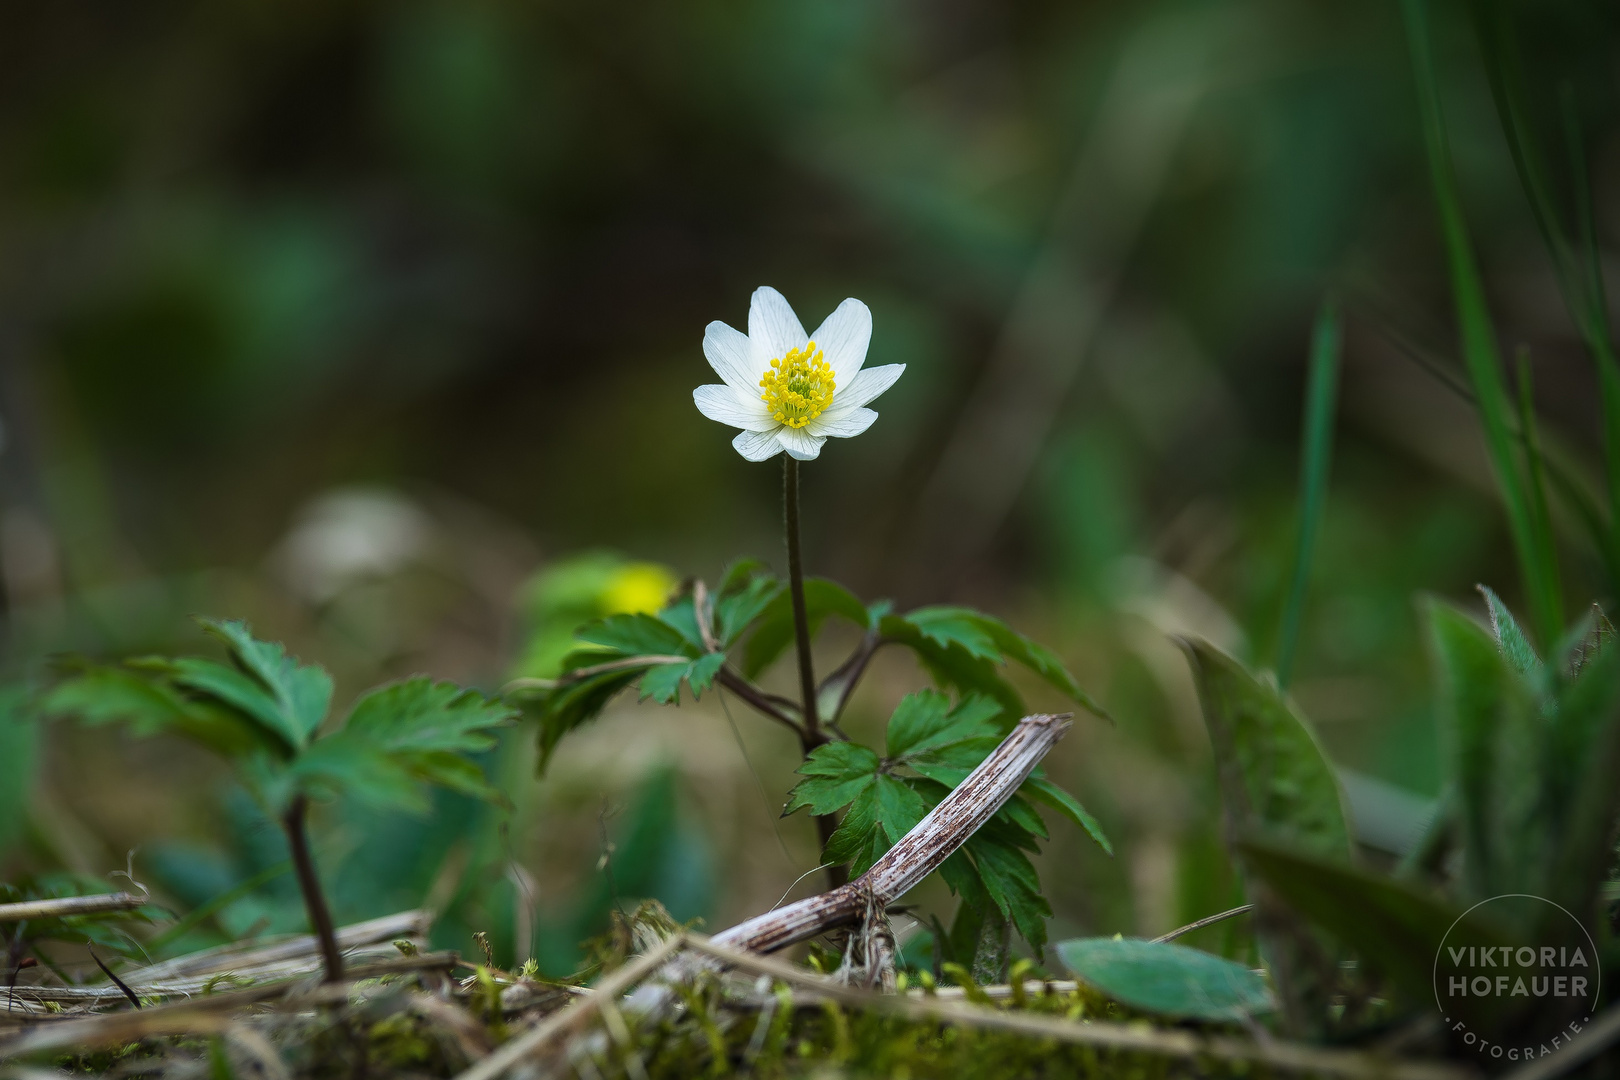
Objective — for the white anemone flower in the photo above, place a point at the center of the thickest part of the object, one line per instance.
(789, 390)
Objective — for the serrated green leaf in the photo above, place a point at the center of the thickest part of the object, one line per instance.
(925, 721)
(1046, 792)
(639, 634)
(956, 626)
(419, 715)
(1510, 638)
(954, 667)
(834, 776)
(884, 810)
(773, 630)
(119, 695)
(682, 615)
(302, 693)
(984, 637)
(662, 682)
(1010, 879)
(1168, 979)
(235, 689)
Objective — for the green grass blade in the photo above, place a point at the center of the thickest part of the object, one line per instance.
(1594, 315)
(1579, 274)
(1321, 392)
(1541, 518)
(1480, 353)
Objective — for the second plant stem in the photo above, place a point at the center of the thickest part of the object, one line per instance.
(320, 917)
(811, 735)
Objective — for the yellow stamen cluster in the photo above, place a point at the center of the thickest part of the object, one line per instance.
(798, 386)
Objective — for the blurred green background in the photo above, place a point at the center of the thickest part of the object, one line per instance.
(350, 318)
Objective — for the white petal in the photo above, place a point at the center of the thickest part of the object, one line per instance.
(773, 329)
(866, 385)
(844, 337)
(731, 357)
(845, 426)
(733, 407)
(800, 443)
(757, 445)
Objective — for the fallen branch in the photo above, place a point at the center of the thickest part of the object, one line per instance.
(936, 837)
(63, 906)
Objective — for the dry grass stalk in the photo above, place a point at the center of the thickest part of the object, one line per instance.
(64, 906)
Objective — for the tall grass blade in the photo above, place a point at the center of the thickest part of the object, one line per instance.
(1541, 518)
(1580, 277)
(1480, 353)
(1321, 392)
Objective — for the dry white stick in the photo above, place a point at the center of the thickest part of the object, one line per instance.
(947, 827)
(70, 905)
(412, 925)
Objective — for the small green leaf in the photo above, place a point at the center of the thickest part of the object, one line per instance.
(636, 635)
(925, 721)
(1010, 879)
(564, 705)
(302, 692)
(237, 690)
(1167, 979)
(956, 626)
(1044, 791)
(420, 715)
(834, 775)
(773, 630)
(747, 590)
(148, 704)
(1510, 638)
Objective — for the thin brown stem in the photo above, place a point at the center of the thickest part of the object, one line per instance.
(757, 698)
(320, 917)
(801, 618)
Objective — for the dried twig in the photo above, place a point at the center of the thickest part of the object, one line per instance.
(412, 925)
(919, 853)
(70, 905)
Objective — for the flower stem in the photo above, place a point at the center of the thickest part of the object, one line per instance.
(320, 918)
(810, 735)
(801, 620)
